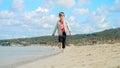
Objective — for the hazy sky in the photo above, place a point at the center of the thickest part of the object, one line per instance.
(30, 18)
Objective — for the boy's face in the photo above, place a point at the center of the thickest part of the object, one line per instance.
(61, 17)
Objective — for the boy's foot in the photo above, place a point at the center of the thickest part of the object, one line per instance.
(62, 50)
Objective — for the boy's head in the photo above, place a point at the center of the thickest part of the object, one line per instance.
(61, 15)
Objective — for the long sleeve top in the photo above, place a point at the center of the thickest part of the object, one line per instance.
(58, 28)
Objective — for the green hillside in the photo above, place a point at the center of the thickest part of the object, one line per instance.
(106, 36)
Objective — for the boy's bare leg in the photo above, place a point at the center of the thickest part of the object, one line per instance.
(60, 45)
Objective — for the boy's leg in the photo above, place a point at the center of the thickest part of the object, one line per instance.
(64, 40)
(60, 42)
(63, 43)
(60, 45)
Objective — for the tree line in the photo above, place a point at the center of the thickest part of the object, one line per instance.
(106, 36)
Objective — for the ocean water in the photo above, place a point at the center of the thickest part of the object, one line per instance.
(17, 54)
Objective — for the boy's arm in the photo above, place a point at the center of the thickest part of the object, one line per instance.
(54, 30)
(69, 29)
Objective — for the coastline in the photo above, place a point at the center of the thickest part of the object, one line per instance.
(96, 56)
(25, 60)
(32, 59)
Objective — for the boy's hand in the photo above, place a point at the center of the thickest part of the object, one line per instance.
(53, 35)
(70, 33)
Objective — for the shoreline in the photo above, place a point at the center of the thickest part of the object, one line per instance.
(32, 59)
(97, 56)
(25, 60)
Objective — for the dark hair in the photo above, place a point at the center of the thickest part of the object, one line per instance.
(61, 13)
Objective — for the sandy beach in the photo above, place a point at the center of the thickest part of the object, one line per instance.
(89, 56)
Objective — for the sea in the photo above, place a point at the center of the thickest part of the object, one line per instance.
(13, 56)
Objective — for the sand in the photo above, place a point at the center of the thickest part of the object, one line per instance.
(92, 56)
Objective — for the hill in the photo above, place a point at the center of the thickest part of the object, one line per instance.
(106, 36)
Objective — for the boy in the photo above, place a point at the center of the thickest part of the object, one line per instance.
(62, 26)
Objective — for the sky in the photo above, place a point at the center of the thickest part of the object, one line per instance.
(32, 18)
